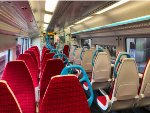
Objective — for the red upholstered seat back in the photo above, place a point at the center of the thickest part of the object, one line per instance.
(37, 50)
(8, 102)
(46, 51)
(34, 58)
(53, 67)
(64, 94)
(66, 50)
(46, 57)
(43, 50)
(19, 79)
(31, 66)
(36, 54)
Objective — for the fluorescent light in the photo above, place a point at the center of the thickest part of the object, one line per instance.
(112, 6)
(83, 20)
(50, 5)
(70, 26)
(45, 25)
(47, 18)
(44, 28)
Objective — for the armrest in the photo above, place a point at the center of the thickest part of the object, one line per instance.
(37, 94)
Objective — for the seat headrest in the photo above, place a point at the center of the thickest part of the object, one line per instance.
(8, 101)
(53, 67)
(102, 67)
(20, 81)
(58, 92)
(127, 81)
(31, 66)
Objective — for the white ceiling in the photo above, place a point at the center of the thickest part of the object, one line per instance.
(38, 8)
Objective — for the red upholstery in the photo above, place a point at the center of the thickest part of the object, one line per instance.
(43, 49)
(102, 99)
(53, 67)
(36, 54)
(8, 102)
(46, 57)
(19, 79)
(66, 50)
(31, 66)
(46, 51)
(37, 50)
(64, 95)
(34, 58)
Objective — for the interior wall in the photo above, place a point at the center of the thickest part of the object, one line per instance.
(121, 45)
(105, 41)
(7, 42)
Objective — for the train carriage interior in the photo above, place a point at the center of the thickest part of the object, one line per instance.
(74, 56)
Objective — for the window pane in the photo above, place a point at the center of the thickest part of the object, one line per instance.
(3, 61)
(112, 51)
(139, 49)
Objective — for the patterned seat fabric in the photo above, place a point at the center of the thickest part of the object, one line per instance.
(31, 66)
(37, 50)
(34, 58)
(53, 67)
(64, 94)
(43, 49)
(19, 79)
(36, 54)
(8, 101)
(44, 53)
(46, 57)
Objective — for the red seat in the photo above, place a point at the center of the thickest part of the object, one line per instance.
(46, 57)
(43, 49)
(53, 67)
(31, 66)
(36, 54)
(19, 79)
(8, 101)
(66, 50)
(64, 94)
(37, 50)
(46, 51)
(34, 58)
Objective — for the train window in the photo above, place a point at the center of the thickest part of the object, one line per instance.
(112, 51)
(3, 60)
(139, 49)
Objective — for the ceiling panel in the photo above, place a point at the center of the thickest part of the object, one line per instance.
(38, 8)
(68, 12)
(16, 18)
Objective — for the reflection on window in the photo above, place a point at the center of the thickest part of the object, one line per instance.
(139, 48)
(3, 61)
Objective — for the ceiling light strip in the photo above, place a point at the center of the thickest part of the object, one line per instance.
(50, 5)
(139, 19)
(112, 6)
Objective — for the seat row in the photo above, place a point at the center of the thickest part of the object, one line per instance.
(56, 99)
(128, 88)
(20, 79)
